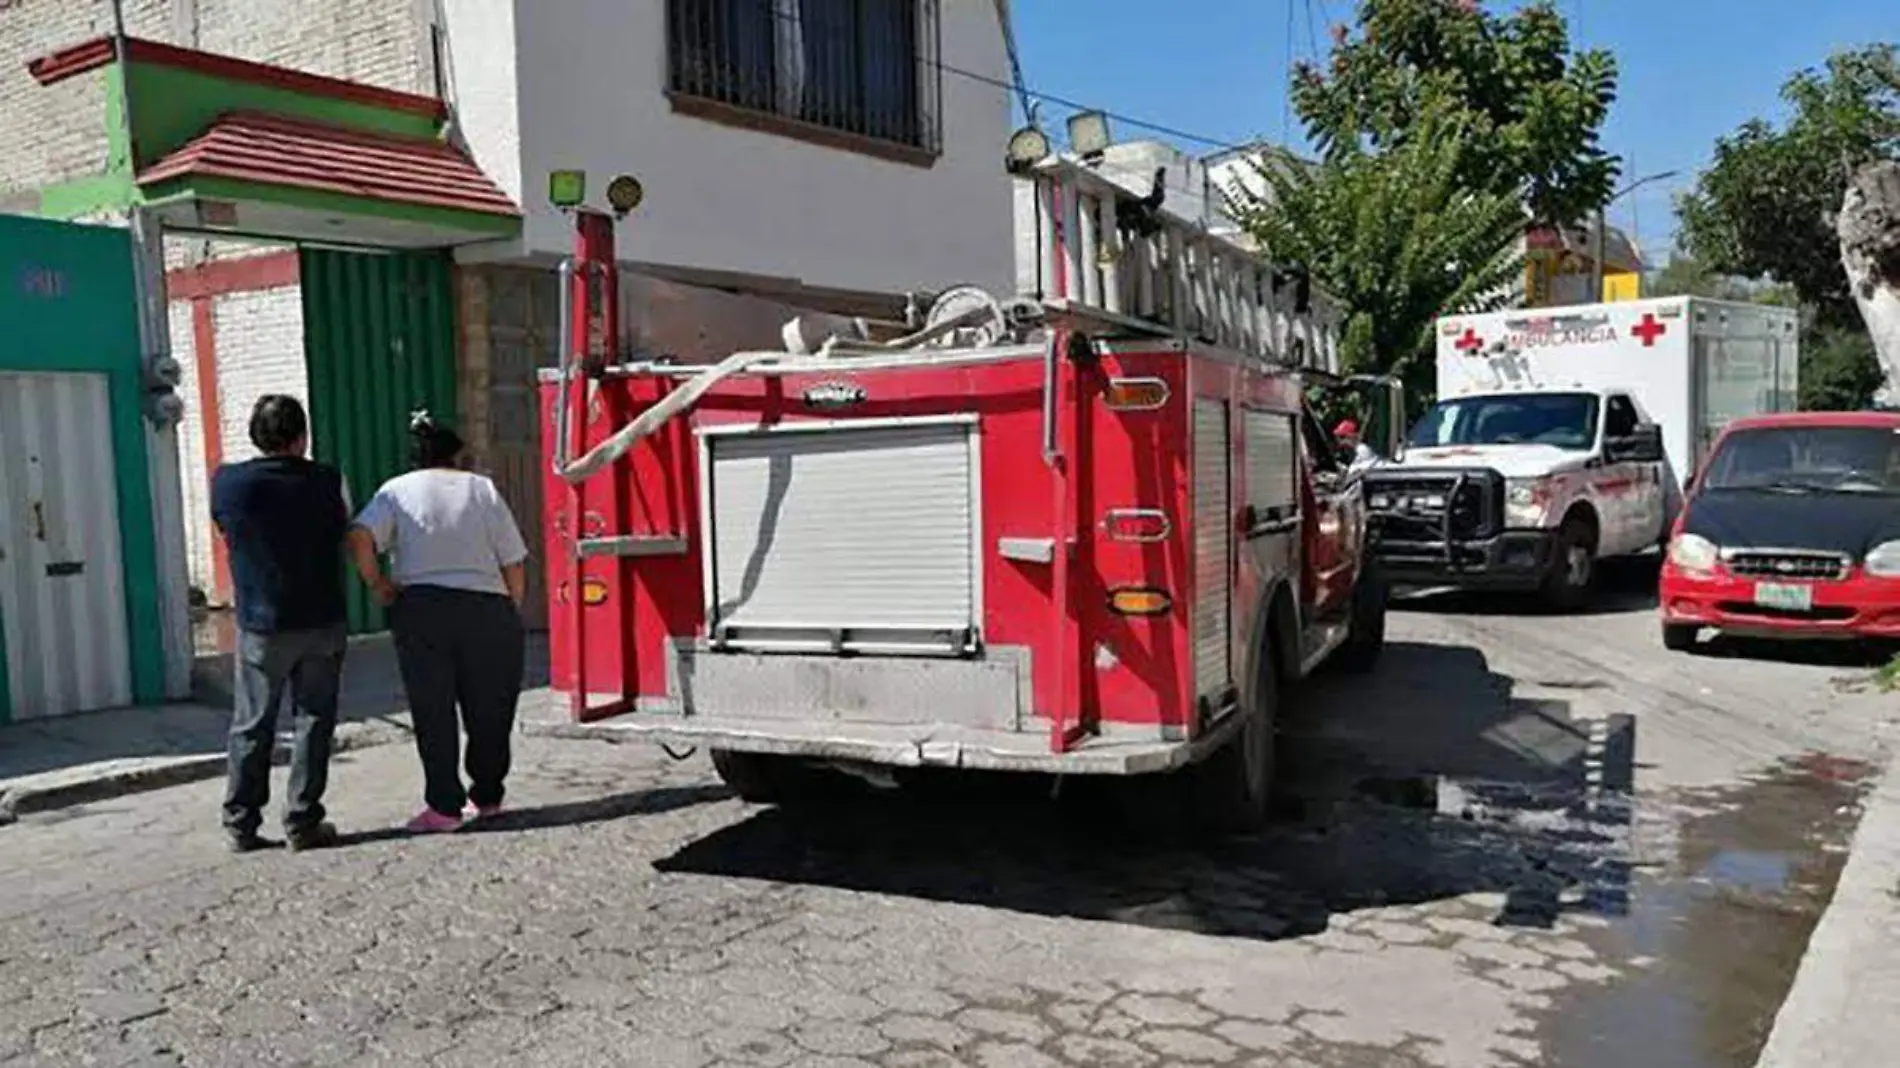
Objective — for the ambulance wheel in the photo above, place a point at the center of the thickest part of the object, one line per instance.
(1366, 640)
(1573, 565)
(760, 778)
(1233, 787)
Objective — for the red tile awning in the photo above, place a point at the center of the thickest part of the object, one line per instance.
(269, 149)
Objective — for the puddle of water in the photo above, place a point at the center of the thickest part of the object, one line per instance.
(1711, 944)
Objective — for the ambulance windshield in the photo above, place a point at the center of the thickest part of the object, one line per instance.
(1563, 420)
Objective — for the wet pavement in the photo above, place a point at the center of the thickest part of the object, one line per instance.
(1518, 843)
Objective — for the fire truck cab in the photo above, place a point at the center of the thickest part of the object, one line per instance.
(1091, 531)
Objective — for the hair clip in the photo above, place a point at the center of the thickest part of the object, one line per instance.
(420, 419)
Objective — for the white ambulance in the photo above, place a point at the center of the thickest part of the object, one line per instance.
(1563, 436)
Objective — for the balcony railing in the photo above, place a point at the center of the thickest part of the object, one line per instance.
(864, 68)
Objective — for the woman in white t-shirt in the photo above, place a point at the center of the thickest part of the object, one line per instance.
(456, 579)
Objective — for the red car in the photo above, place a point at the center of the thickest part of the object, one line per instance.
(1790, 529)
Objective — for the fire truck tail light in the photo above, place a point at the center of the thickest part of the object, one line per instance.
(1135, 394)
(1136, 524)
(1139, 601)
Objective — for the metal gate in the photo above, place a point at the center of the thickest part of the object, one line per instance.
(379, 341)
(62, 579)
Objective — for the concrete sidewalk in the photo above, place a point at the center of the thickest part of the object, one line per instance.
(68, 760)
(1840, 1010)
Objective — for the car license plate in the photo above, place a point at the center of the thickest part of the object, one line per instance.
(1788, 598)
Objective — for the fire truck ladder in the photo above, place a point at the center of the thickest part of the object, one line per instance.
(1087, 243)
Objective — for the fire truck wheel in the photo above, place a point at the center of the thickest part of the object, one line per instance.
(1366, 640)
(1233, 788)
(760, 778)
(1572, 565)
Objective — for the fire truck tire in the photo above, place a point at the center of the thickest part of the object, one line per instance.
(759, 778)
(1233, 787)
(1366, 640)
(1573, 570)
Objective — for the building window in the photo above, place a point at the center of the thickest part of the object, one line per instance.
(866, 69)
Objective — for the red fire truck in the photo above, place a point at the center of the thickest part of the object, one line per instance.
(1094, 531)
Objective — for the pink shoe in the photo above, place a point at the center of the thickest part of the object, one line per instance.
(481, 812)
(429, 821)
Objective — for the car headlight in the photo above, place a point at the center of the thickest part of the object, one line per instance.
(1524, 502)
(1697, 554)
(1883, 560)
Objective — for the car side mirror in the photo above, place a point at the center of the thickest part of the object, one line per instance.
(1644, 446)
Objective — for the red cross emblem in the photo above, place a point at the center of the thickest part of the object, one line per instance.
(1649, 330)
(1469, 343)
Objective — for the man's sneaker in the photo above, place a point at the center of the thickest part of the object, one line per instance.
(249, 842)
(315, 836)
(429, 821)
(481, 812)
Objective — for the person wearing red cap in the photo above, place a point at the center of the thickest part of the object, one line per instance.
(1346, 434)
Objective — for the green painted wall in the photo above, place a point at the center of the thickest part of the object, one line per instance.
(379, 342)
(66, 300)
(113, 188)
(171, 105)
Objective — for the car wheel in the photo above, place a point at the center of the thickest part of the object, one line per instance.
(1680, 637)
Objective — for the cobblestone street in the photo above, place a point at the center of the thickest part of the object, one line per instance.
(1474, 889)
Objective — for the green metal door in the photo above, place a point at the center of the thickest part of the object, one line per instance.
(379, 340)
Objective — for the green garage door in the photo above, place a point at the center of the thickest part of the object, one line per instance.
(379, 340)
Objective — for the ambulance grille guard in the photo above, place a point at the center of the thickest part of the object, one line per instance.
(1434, 516)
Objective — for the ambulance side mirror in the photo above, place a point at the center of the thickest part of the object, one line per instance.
(1644, 446)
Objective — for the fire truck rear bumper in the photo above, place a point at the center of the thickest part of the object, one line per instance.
(1513, 560)
(1117, 751)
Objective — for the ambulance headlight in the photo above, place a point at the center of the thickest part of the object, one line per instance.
(1525, 500)
(1693, 554)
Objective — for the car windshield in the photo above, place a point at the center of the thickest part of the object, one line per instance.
(1565, 420)
(1816, 459)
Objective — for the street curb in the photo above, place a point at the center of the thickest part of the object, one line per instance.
(168, 772)
(1839, 1008)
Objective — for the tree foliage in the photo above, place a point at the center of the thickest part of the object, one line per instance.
(1686, 276)
(1839, 371)
(1536, 107)
(1765, 206)
(1396, 237)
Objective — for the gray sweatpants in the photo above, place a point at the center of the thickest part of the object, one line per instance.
(306, 667)
(459, 650)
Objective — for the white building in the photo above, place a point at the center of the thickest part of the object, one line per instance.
(796, 154)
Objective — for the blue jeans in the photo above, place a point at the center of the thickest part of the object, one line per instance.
(307, 667)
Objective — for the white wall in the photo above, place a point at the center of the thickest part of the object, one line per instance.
(260, 350)
(591, 94)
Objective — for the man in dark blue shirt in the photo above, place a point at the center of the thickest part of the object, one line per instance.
(284, 518)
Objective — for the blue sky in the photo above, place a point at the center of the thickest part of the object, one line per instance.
(1691, 69)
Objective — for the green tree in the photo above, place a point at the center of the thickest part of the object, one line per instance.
(1536, 107)
(1396, 237)
(1764, 208)
(1839, 371)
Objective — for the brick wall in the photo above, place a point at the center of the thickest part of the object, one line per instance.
(57, 133)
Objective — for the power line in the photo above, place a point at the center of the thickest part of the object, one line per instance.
(1024, 90)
